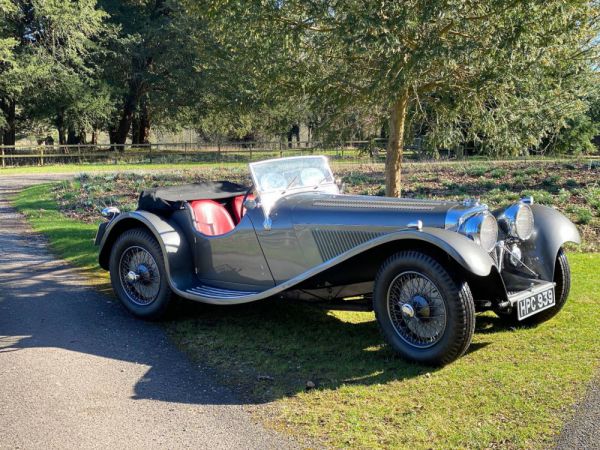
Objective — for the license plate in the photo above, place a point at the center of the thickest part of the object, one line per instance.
(535, 303)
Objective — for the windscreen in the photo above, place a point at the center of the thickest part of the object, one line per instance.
(276, 178)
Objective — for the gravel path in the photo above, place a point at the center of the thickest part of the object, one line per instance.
(77, 372)
(583, 431)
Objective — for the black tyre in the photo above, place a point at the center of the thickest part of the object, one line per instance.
(138, 275)
(562, 278)
(424, 313)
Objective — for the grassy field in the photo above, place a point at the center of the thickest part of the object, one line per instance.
(81, 168)
(513, 389)
(348, 158)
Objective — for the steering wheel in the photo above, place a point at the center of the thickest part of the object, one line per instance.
(244, 200)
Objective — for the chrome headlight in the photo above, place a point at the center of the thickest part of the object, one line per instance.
(517, 221)
(481, 228)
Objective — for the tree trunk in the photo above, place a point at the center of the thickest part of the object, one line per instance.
(144, 125)
(72, 137)
(135, 130)
(60, 127)
(9, 134)
(393, 163)
(122, 130)
(62, 136)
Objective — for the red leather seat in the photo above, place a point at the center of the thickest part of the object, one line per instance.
(238, 211)
(211, 218)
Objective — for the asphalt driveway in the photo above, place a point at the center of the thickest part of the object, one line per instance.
(77, 372)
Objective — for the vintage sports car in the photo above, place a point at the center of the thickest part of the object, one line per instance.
(424, 266)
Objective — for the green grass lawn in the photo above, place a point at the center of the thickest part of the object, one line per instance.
(350, 159)
(78, 168)
(513, 389)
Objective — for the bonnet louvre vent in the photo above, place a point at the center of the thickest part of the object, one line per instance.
(332, 243)
(379, 204)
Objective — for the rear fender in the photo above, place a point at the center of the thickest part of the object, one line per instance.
(176, 251)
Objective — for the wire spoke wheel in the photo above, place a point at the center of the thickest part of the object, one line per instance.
(416, 309)
(139, 275)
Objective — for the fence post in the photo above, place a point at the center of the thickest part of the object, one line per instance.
(150, 152)
(280, 149)
(219, 150)
(42, 156)
(3, 156)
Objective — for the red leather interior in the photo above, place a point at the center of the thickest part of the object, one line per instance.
(211, 218)
(238, 211)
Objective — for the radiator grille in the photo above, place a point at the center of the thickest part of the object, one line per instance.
(332, 243)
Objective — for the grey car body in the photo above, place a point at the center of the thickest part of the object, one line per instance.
(319, 244)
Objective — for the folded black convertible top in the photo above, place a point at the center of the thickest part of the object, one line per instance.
(166, 199)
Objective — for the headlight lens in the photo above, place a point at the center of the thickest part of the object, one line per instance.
(517, 221)
(483, 229)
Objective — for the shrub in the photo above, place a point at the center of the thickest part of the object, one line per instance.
(583, 215)
(571, 183)
(498, 173)
(563, 196)
(476, 171)
(551, 181)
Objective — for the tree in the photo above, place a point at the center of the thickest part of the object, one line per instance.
(48, 47)
(149, 68)
(484, 69)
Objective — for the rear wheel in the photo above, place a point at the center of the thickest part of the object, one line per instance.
(138, 275)
(424, 313)
(562, 278)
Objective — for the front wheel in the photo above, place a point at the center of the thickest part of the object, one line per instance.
(138, 275)
(423, 312)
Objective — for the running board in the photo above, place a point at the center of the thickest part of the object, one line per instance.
(220, 296)
(218, 293)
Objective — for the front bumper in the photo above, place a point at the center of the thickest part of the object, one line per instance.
(537, 287)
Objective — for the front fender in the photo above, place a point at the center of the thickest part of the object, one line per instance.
(174, 246)
(551, 231)
(469, 255)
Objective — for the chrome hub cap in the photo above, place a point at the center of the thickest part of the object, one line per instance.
(132, 276)
(416, 309)
(139, 276)
(407, 310)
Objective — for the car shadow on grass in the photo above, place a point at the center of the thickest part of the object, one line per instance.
(275, 348)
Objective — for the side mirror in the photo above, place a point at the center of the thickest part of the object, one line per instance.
(341, 185)
(250, 203)
(110, 212)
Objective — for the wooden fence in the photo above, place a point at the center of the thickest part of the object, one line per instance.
(371, 151)
(184, 152)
